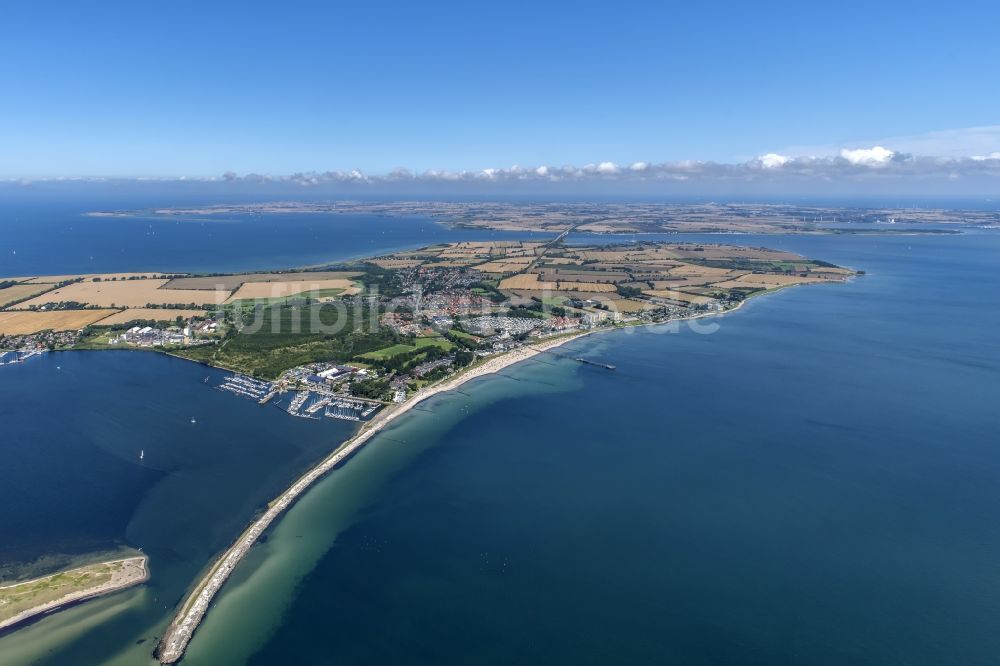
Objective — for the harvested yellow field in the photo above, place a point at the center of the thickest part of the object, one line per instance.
(531, 281)
(527, 281)
(504, 248)
(690, 270)
(638, 254)
(606, 256)
(128, 294)
(157, 314)
(652, 266)
(265, 290)
(768, 281)
(598, 287)
(19, 322)
(679, 296)
(52, 279)
(230, 283)
(628, 305)
(600, 228)
(19, 291)
(506, 266)
(463, 254)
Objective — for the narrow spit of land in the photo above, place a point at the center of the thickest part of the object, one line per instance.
(20, 602)
(182, 628)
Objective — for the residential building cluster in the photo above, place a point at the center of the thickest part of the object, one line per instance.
(489, 324)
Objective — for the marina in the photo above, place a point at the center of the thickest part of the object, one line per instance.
(311, 403)
(14, 357)
(351, 409)
(307, 404)
(248, 387)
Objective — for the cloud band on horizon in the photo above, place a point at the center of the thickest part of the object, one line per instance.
(876, 162)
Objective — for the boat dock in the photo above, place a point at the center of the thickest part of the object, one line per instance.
(248, 387)
(15, 357)
(587, 361)
(578, 359)
(294, 408)
(351, 409)
(310, 403)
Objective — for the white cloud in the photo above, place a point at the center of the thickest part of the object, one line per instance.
(954, 143)
(773, 160)
(853, 164)
(875, 156)
(960, 142)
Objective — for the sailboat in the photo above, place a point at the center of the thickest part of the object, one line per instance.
(192, 420)
(142, 453)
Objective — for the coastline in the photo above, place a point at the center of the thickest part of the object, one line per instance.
(127, 577)
(181, 629)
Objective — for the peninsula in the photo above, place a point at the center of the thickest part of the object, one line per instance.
(368, 340)
(21, 602)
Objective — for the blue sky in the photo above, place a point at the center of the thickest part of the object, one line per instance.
(198, 89)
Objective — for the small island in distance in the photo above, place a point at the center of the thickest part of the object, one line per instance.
(368, 340)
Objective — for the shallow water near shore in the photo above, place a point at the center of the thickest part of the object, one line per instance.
(75, 424)
(814, 483)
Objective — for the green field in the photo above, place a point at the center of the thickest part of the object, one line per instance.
(20, 597)
(419, 343)
(459, 333)
(315, 294)
(281, 337)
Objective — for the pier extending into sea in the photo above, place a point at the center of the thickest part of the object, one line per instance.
(181, 629)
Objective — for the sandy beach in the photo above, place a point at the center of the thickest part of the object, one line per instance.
(122, 573)
(182, 627)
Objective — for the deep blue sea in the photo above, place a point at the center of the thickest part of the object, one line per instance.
(56, 237)
(814, 479)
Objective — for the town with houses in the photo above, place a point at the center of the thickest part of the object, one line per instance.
(385, 327)
(368, 340)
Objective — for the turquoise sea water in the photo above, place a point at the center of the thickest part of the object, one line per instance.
(74, 425)
(814, 482)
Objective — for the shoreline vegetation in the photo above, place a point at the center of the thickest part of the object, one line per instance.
(390, 332)
(179, 633)
(25, 601)
(182, 627)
